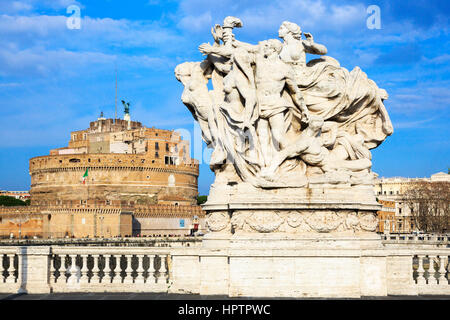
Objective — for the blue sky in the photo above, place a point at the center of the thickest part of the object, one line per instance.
(54, 79)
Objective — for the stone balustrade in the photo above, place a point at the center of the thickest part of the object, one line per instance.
(410, 269)
(87, 269)
(431, 271)
(432, 238)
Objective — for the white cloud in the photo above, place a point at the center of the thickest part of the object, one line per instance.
(14, 6)
(413, 124)
(196, 23)
(264, 16)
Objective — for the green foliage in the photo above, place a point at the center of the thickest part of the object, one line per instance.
(11, 201)
(201, 199)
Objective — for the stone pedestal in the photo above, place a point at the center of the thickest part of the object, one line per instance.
(270, 265)
(300, 248)
(34, 269)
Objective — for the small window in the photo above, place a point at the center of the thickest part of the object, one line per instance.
(156, 154)
(167, 147)
(1, 219)
(74, 160)
(156, 146)
(142, 160)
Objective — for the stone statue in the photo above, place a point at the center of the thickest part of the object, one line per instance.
(126, 107)
(277, 122)
(291, 143)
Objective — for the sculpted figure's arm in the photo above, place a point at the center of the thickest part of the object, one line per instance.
(329, 133)
(312, 47)
(297, 97)
(251, 48)
(223, 51)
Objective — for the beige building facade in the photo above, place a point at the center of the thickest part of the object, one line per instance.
(395, 216)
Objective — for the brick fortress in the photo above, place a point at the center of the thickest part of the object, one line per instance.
(116, 178)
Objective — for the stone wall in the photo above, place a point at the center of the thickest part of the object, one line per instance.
(111, 176)
(98, 220)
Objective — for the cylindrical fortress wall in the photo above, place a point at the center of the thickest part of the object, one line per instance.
(133, 177)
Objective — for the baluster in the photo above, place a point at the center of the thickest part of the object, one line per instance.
(117, 270)
(20, 272)
(140, 269)
(421, 271)
(128, 276)
(52, 268)
(162, 270)
(84, 268)
(1, 269)
(442, 280)
(151, 270)
(63, 270)
(73, 271)
(448, 268)
(10, 278)
(95, 278)
(107, 269)
(431, 272)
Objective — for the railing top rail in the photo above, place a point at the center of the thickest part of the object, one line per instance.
(110, 250)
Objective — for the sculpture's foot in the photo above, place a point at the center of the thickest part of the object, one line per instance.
(267, 173)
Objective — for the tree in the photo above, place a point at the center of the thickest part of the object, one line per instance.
(201, 199)
(11, 201)
(429, 203)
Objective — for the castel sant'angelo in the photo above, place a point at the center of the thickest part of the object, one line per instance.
(115, 178)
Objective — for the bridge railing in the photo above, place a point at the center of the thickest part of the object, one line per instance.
(410, 269)
(84, 269)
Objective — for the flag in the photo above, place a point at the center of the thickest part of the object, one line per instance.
(85, 176)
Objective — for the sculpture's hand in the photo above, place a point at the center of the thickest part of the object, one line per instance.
(205, 48)
(309, 36)
(216, 32)
(306, 117)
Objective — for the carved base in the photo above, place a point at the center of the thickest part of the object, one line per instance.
(293, 222)
(293, 253)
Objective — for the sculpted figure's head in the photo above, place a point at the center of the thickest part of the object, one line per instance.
(315, 124)
(183, 71)
(270, 47)
(290, 28)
